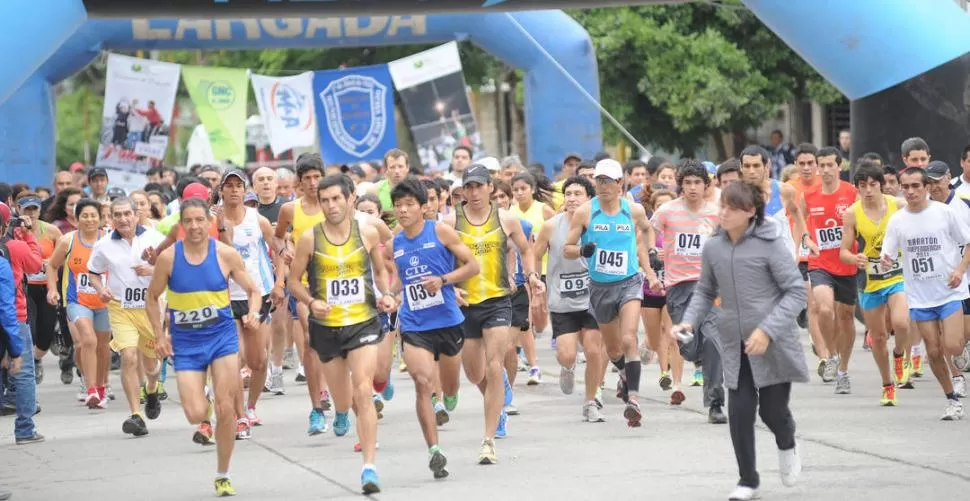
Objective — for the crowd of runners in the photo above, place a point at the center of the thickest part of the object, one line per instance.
(322, 271)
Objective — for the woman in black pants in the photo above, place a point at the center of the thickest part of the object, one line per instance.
(746, 263)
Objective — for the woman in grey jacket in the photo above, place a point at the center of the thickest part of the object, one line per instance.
(746, 263)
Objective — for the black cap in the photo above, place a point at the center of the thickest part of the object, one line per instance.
(937, 170)
(237, 174)
(97, 171)
(356, 170)
(577, 156)
(116, 192)
(476, 173)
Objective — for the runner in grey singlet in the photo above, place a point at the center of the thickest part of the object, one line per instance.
(567, 280)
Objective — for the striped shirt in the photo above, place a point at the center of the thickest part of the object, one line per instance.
(684, 234)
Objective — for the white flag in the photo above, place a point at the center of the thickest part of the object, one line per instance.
(286, 105)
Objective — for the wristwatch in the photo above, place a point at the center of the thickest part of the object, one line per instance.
(444, 280)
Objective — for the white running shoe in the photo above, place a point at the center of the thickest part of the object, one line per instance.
(960, 386)
(953, 411)
(742, 493)
(592, 413)
(567, 380)
(790, 465)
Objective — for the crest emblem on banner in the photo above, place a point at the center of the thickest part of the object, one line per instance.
(356, 113)
(290, 107)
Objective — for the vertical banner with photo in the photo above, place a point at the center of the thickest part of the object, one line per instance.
(286, 107)
(432, 89)
(139, 96)
(219, 96)
(355, 109)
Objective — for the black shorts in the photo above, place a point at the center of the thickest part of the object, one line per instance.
(495, 312)
(241, 308)
(803, 269)
(446, 341)
(844, 287)
(334, 342)
(572, 322)
(520, 309)
(657, 302)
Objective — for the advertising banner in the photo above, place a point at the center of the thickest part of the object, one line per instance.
(355, 110)
(220, 95)
(286, 107)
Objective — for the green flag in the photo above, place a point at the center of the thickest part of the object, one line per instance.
(220, 96)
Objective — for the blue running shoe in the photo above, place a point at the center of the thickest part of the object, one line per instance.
(503, 426)
(388, 393)
(369, 482)
(508, 388)
(341, 425)
(318, 422)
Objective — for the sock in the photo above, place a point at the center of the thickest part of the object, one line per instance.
(319, 410)
(951, 396)
(433, 449)
(897, 354)
(220, 476)
(842, 373)
(153, 390)
(632, 368)
(368, 467)
(887, 385)
(275, 369)
(619, 363)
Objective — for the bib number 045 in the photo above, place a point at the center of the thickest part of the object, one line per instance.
(611, 262)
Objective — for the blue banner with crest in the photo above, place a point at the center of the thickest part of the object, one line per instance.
(355, 113)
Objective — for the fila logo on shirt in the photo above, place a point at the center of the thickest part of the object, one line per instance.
(606, 227)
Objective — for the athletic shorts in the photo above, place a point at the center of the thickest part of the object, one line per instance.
(291, 300)
(844, 287)
(446, 341)
(197, 353)
(572, 322)
(966, 306)
(130, 328)
(606, 299)
(875, 299)
(102, 323)
(495, 312)
(337, 342)
(656, 302)
(240, 309)
(935, 313)
(520, 309)
(803, 269)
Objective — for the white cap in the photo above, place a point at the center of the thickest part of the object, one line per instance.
(490, 163)
(609, 168)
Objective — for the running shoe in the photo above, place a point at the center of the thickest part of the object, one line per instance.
(888, 396)
(203, 435)
(300, 375)
(486, 454)
(567, 380)
(274, 384)
(369, 482)
(598, 398)
(451, 402)
(437, 463)
(341, 424)
(508, 388)
(716, 416)
(647, 356)
(621, 389)
(908, 367)
(962, 361)
(82, 393)
(535, 376)
(388, 392)
(135, 425)
(66, 363)
(867, 341)
(632, 414)
(953, 411)
(843, 386)
(441, 416)
(378, 405)
(252, 417)
(502, 430)
(960, 386)
(917, 362)
(900, 370)
(677, 397)
(592, 412)
(162, 394)
(552, 344)
(108, 392)
(153, 405)
(820, 368)
(244, 430)
(831, 370)
(36, 438)
(325, 400)
(92, 399)
(142, 394)
(698, 379)
(402, 367)
(665, 381)
(289, 359)
(580, 357)
(790, 465)
(743, 493)
(224, 488)
(318, 422)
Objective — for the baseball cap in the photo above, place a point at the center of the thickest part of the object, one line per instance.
(609, 168)
(97, 171)
(570, 155)
(4, 213)
(937, 170)
(30, 201)
(476, 173)
(490, 163)
(116, 192)
(711, 168)
(353, 169)
(76, 166)
(195, 190)
(237, 174)
(250, 197)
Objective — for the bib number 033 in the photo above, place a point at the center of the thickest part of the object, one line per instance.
(345, 291)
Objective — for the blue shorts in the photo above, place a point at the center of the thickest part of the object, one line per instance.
(102, 322)
(875, 299)
(291, 299)
(936, 312)
(196, 353)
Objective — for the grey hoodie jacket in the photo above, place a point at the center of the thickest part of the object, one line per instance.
(759, 286)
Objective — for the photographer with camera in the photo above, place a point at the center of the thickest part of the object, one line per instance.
(19, 248)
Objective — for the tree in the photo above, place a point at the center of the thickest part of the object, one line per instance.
(676, 74)
(78, 120)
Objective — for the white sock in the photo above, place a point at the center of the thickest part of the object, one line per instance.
(222, 475)
(368, 467)
(275, 369)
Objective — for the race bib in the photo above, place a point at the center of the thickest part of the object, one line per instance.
(419, 298)
(37, 277)
(925, 268)
(197, 318)
(134, 298)
(84, 284)
(611, 262)
(829, 238)
(345, 291)
(573, 285)
(876, 270)
(803, 251)
(689, 244)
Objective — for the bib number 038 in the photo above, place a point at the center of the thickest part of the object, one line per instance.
(419, 298)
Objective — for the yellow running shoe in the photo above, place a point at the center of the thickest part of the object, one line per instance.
(486, 455)
(224, 488)
(900, 370)
(888, 396)
(917, 366)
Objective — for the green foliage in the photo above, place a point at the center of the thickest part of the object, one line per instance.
(78, 119)
(675, 74)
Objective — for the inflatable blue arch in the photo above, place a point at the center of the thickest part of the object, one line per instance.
(903, 62)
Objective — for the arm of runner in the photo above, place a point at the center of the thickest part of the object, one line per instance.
(547, 212)
(643, 232)
(848, 239)
(276, 295)
(237, 270)
(961, 235)
(801, 226)
(514, 230)
(571, 248)
(281, 240)
(541, 245)
(151, 253)
(372, 238)
(468, 267)
(890, 243)
(163, 270)
(53, 264)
